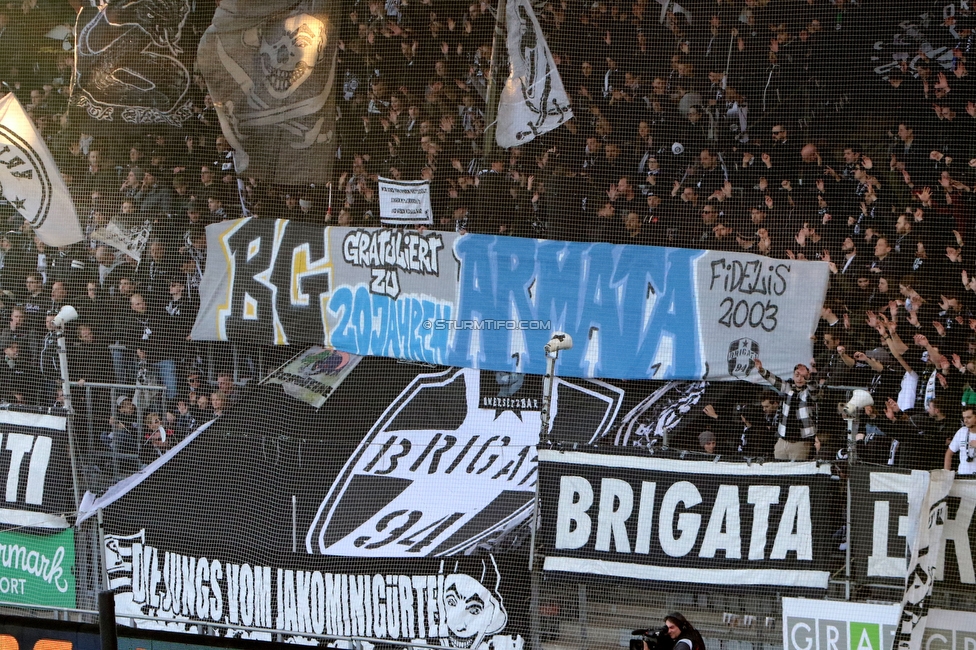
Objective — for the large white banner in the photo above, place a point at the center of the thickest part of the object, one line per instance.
(835, 625)
(533, 100)
(493, 302)
(405, 203)
(30, 180)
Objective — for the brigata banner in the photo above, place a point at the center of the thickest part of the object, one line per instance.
(38, 568)
(885, 515)
(834, 625)
(34, 459)
(491, 302)
(647, 518)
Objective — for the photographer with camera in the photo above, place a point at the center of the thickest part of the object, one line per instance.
(677, 634)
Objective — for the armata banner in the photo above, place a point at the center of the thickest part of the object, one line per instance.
(884, 518)
(34, 458)
(270, 68)
(647, 518)
(478, 301)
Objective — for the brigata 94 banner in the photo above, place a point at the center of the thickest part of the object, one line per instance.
(491, 302)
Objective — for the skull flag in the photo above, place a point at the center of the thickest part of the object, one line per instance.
(534, 100)
(270, 69)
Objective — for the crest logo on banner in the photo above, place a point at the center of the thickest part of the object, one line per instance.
(30, 180)
(270, 68)
(533, 100)
(129, 63)
(382, 504)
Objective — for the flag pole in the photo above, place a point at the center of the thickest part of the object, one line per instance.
(491, 101)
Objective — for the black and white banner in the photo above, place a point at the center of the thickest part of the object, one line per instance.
(885, 514)
(132, 64)
(470, 603)
(405, 203)
(30, 181)
(647, 518)
(130, 237)
(34, 459)
(533, 100)
(928, 515)
(217, 529)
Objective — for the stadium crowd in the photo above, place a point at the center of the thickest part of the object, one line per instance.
(714, 125)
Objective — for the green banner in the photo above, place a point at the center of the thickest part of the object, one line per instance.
(38, 569)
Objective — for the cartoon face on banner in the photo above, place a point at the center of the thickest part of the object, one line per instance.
(472, 612)
(282, 76)
(129, 62)
(456, 604)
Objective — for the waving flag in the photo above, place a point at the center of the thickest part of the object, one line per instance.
(270, 68)
(30, 180)
(534, 100)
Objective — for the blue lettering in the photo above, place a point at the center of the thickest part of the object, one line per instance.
(373, 324)
(591, 291)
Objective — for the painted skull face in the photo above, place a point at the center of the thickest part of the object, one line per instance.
(290, 52)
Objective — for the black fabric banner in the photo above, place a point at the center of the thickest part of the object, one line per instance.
(231, 528)
(134, 62)
(880, 525)
(665, 520)
(34, 459)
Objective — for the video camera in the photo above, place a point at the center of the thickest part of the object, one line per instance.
(655, 639)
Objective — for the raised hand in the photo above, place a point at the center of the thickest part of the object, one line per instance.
(872, 319)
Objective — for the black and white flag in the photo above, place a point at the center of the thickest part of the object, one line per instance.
(30, 180)
(129, 237)
(533, 100)
(270, 68)
(928, 512)
(130, 62)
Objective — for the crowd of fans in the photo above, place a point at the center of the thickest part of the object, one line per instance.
(697, 124)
